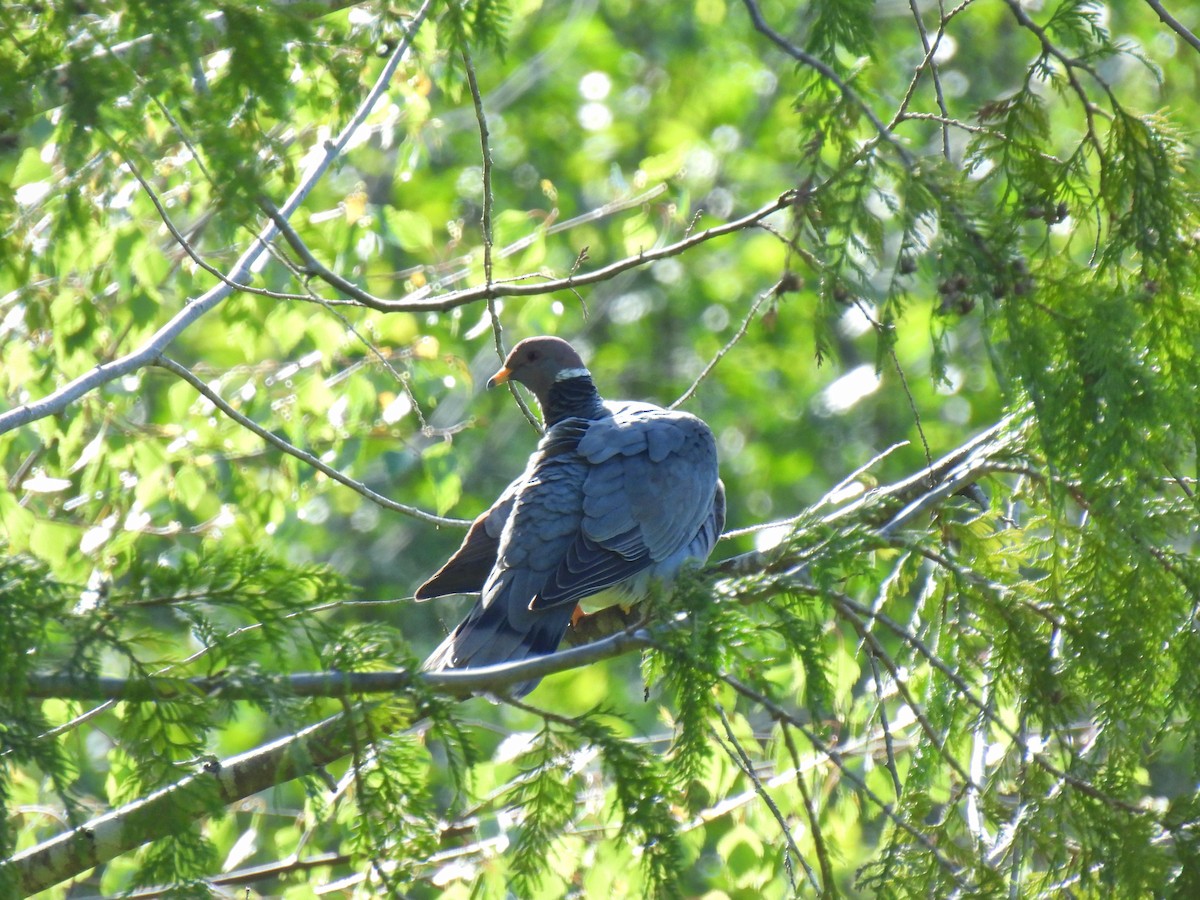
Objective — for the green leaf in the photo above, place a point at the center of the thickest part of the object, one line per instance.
(409, 229)
(189, 486)
(16, 522)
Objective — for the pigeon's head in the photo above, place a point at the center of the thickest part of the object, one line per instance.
(538, 363)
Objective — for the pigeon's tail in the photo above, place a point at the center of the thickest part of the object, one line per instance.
(488, 637)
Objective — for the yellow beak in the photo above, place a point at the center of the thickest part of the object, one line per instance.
(500, 377)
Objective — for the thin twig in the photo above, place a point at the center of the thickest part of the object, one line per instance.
(826, 889)
(928, 62)
(730, 344)
(742, 760)
(249, 875)
(834, 494)
(279, 443)
(949, 122)
(957, 469)
(486, 227)
(485, 218)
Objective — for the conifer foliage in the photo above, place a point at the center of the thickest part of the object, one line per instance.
(928, 270)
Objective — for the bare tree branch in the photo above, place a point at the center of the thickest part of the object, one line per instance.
(241, 270)
(414, 302)
(459, 267)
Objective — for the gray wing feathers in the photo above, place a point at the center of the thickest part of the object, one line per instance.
(650, 488)
(602, 502)
(544, 520)
(661, 485)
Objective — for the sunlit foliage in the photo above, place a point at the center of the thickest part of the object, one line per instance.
(247, 310)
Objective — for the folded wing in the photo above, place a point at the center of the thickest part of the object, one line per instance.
(603, 503)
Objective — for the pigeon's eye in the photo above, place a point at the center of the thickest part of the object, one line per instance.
(533, 355)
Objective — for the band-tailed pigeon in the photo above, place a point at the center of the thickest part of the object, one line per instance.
(614, 496)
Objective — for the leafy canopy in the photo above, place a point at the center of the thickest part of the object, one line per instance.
(927, 270)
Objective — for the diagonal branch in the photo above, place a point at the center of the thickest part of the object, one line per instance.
(242, 269)
(279, 443)
(807, 59)
(218, 783)
(1174, 24)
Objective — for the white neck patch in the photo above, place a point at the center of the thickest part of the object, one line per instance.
(572, 373)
